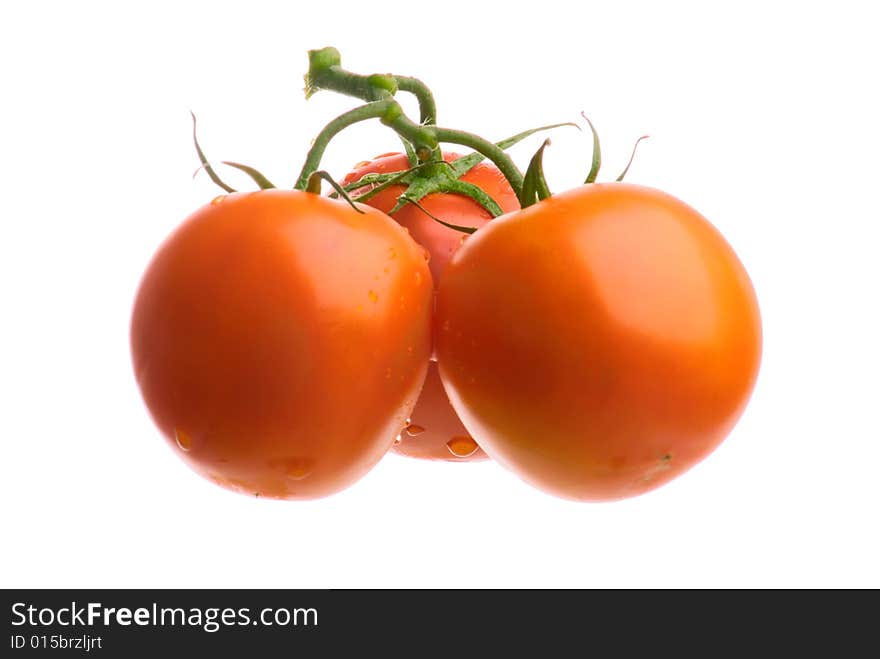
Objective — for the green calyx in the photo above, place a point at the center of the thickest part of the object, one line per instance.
(438, 176)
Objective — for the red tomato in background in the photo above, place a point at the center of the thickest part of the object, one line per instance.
(599, 343)
(280, 338)
(440, 241)
(438, 434)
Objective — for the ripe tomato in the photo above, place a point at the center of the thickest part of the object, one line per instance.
(436, 432)
(600, 342)
(280, 338)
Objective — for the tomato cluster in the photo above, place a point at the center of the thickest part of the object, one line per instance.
(598, 343)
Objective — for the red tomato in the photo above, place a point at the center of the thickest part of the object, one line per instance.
(439, 434)
(280, 339)
(440, 241)
(599, 343)
(435, 431)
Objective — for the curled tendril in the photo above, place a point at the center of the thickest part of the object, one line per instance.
(205, 164)
(631, 157)
(597, 152)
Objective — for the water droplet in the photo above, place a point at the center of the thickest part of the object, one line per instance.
(462, 446)
(388, 373)
(373, 297)
(386, 270)
(294, 468)
(184, 441)
(410, 349)
(398, 439)
(297, 468)
(412, 430)
(445, 325)
(218, 200)
(392, 253)
(426, 254)
(463, 238)
(418, 278)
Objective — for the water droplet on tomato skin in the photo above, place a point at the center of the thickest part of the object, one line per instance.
(398, 439)
(184, 441)
(218, 200)
(412, 430)
(462, 446)
(418, 278)
(462, 239)
(297, 468)
(298, 472)
(373, 296)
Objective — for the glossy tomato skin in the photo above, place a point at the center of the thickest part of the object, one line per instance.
(436, 422)
(279, 340)
(599, 343)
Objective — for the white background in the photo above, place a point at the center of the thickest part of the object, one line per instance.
(762, 115)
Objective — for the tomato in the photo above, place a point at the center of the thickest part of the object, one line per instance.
(439, 434)
(440, 241)
(280, 338)
(435, 431)
(598, 343)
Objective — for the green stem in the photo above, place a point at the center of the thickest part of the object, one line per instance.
(374, 110)
(491, 151)
(326, 72)
(427, 106)
(422, 138)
